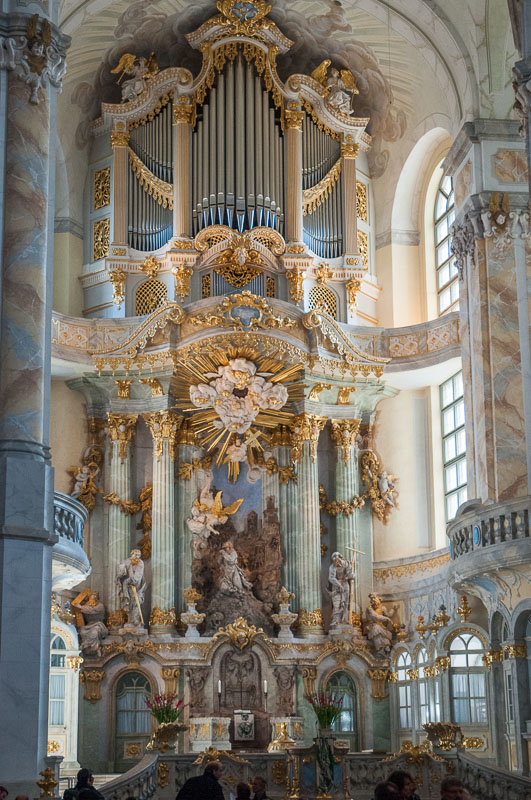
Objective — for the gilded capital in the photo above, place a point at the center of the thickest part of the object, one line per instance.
(121, 429)
(353, 287)
(170, 676)
(294, 119)
(378, 678)
(182, 276)
(295, 277)
(516, 650)
(349, 149)
(491, 657)
(163, 425)
(117, 278)
(92, 679)
(124, 388)
(343, 433)
(305, 428)
(182, 113)
(119, 139)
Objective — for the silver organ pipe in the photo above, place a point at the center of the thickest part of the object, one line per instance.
(323, 229)
(149, 224)
(237, 153)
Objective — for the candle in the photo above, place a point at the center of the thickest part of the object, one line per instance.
(265, 687)
(219, 687)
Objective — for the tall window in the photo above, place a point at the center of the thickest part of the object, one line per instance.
(132, 714)
(422, 684)
(447, 273)
(454, 444)
(342, 684)
(467, 680)
(57, 681)
(403, 663)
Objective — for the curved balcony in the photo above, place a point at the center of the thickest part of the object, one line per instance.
(70, 563)
(489, 537)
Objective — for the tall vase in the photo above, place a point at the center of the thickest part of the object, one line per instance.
(165, 736)
(325, 762)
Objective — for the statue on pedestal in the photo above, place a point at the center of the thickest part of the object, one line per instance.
(90, 615)
(340, 577)
(130, 579)
(378, 625)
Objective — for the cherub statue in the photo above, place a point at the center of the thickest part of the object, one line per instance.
(339, 85)
(139, 70)
(386, 487)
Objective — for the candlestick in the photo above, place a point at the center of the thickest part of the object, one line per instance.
(265, 687)
(219, 687)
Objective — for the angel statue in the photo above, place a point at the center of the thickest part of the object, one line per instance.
(139, 70)
(339, 85)
(208, 512)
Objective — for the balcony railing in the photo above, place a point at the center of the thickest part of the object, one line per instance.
(69, 517)
(488, 525)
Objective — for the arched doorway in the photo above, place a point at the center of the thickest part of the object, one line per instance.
(132, 719)
(347, 724)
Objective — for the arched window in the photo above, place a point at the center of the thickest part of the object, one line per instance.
(149, 296)
(132, 715)
(467, 680)
(403, 663)
(447, 273)
(341, 683)
(321, 297)
(57, 680)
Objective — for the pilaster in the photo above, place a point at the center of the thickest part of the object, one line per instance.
(349, 152)
(120, 147)
(164, 426)
(182, 115)
(121, 429)
(294, 175)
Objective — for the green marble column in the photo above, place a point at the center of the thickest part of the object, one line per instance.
(343, 433)
(288, 518)
(271, 484)
(121, 429)
(187, 492)
(305, 430)
(164, 426)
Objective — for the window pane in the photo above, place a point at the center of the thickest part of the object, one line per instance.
(57, 660)
(450, 478)
(460, 439)
(448, 420)
(458, 660)
(443, 276)
(443, 252)
(445, 300)
(447, 393)
(57, 712)
(440, 205)
(446, 185)
(461, 711)
(450, 448)
(459, 413)
(452, 504)
(441, 230)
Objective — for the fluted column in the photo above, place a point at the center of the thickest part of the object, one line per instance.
(121, 429)
(120, 146)
(349, 152)
(187, 492)
(294, 175)
(343, 433)
(182, 115)
(305, 430)
(287, 513)
(27, 136)
(164, 426)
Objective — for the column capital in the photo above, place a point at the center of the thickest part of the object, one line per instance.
(343, 433)
(183, 113)
(34, 50)
(305, 428)
(294, 119)
(119, 139)
(349, 149)
(295, 278)
(163, 425)
(121, 429)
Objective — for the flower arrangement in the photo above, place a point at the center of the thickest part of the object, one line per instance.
(327, 708)
(164, 708)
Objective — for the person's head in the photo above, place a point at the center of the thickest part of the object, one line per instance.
(94, 599)
(242, 791)
(85, 777)
(3, 793)
(452, 789)
(22, 797)
(136, 557)
(258, 785)
(405, 783)
(215, 769)
(386, 791)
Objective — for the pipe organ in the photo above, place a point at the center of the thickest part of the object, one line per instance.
(234, 148)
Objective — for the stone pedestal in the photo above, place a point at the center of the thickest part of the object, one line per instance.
(209, 732)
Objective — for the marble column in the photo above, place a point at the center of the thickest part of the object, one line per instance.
(349, 151)
(288, 518)
(294, 175)
(343, 433)
(488, 244)
(182, 115)
(187, 492)
(28, 102)
(120, 146)
(121, 429)
(271, 483)
(305, 430)
(164, 426)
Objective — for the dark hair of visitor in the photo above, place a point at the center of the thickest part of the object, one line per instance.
(450, 783)
(3, 789)
(242, 791)
(213, 765)
(399, 777)
(385, 790)
(83, 776)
